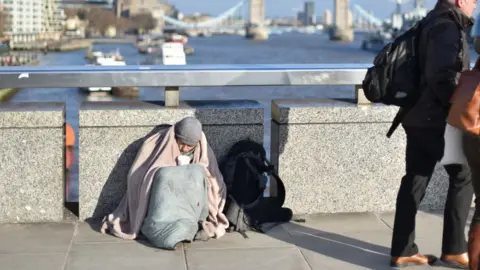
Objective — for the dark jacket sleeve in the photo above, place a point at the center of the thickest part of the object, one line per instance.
(443, 63)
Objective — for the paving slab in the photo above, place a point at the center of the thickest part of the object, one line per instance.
(429, 225)
(123, 256)
(240, 259)
(341, 222)
(32, 262)
(277, 237)
(429, 230)
(43, 238)
(89, 233)
(335, 242)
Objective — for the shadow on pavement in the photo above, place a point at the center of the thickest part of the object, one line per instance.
(336, 246)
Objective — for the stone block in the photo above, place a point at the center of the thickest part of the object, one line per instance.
(111, 134)
(334, 156)
(32, 162)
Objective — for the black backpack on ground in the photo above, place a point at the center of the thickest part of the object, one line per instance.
(395, 76)
(245, 171)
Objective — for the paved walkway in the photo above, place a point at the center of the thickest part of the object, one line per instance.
(339, 241)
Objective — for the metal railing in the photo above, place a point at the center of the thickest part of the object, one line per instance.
(174, 77)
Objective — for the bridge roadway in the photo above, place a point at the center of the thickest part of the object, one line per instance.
(354, 169)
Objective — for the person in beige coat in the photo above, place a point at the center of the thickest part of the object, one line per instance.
(471, 148)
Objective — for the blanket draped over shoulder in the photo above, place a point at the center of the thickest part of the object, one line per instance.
(161, 150)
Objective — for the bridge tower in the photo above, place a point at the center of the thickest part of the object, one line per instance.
(255, 28)
(342, 28)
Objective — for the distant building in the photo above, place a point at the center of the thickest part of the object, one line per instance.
(32, 17)
(418, 4)
(309, 13)
(301, 17)
(53, 16)
(327, 18)
(103, 3)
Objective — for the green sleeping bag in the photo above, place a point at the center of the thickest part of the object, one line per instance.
(178, 201)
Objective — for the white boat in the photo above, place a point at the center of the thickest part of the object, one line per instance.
(177, 38)
(94, 56)
(103, 61)
(109, 61)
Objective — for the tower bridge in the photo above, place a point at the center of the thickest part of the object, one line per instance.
(252, 20)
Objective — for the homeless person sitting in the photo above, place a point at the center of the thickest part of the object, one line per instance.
(175, 191)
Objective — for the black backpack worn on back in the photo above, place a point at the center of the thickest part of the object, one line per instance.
(395, 76)
(245, 171)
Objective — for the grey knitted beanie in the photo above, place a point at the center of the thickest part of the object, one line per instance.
(188, 131)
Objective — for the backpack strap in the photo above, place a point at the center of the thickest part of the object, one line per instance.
(281, 191)
(236, 213)
(253, 168)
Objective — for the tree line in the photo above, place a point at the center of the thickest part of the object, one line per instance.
(100, 20)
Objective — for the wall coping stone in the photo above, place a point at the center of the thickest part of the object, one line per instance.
(146, 113)
(32, 114)
(311, 111)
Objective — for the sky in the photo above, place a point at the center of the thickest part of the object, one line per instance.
(381, 8)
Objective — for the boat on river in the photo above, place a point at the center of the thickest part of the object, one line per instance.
(101, 59)
(93, 56)
(157, 50)
(153, 45)
(123, 91)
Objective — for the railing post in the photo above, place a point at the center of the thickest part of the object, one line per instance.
(360, 96)
(172, 96)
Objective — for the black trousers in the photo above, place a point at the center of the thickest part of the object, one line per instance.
(425, 148)
(471, 148)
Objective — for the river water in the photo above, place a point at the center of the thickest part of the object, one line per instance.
(279, 49)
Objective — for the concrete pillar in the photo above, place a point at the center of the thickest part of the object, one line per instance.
(354, 168)
(257, 32)
(255, 28)
(32, 162)
(341, 30)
